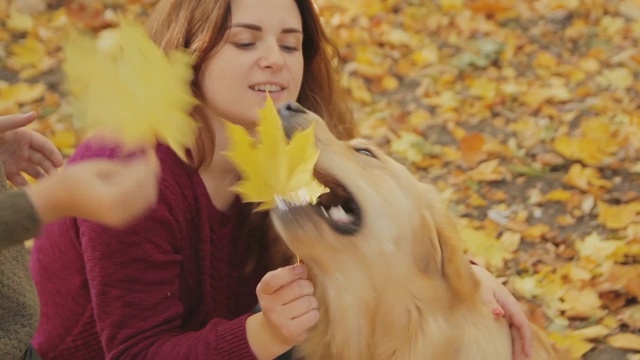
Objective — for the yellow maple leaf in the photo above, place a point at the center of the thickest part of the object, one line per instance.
(585, 149)
(22, 92)
(484, 248)
(616, 217)
(586, 178)
(19, 22)
(132, 89)
(29, 52)
(583, 303)
(270, 167)
(574, 343)
(594, 247)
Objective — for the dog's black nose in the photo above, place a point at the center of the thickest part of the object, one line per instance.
(291, 108)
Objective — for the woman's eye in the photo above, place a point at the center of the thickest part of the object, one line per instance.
(289, 48)
(366, 152)
(243, 45)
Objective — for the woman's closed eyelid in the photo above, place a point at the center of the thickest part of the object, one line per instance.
(243, 45)
(291, 48)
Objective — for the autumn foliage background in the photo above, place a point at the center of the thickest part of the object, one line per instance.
(525, 114)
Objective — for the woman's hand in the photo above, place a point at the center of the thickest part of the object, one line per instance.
(503, 303)
(111, 192)
(25, 150)
(289, 310)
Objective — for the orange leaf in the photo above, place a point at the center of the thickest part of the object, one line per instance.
(471, 147)
(490, 7)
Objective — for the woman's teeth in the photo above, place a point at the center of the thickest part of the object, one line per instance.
(266, 87)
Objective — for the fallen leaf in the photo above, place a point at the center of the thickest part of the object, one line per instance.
(19, 22)
(575, 344)
(631, 316)
(616, 217)
(29, 52)
(487, 250)
(471, 146)
(595, 332)
(625, 341)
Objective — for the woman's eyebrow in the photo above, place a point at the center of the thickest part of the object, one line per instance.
(258, 28)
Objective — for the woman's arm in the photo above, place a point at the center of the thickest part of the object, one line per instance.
(19, 220)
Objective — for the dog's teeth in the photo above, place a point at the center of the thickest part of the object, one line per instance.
(281, 204)
(324, 211)
(338, 214)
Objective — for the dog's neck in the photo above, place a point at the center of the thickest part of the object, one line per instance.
(374, 314)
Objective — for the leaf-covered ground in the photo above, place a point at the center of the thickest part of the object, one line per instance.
(523, 113)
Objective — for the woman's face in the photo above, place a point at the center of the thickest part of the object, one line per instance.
(262, 52)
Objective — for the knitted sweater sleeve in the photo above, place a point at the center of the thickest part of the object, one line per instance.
(18, 218)
(133, 280)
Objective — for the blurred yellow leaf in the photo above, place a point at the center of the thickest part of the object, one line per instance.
(22, 93)
(559, 195)
(574, 343)
(618, 78)
(19, 22)
(584, 149)
(138, 93)
(593, 246)
(545, 59)
(29, 52)
(583, 303)
(631, 316)
(451, 5)
(483, 88)
(616, 217)
(595, 332)
(412, 146)
(536, 232)
(485, 249)
(390, 83)
(625, 341)
(487, 171)
(585, 178)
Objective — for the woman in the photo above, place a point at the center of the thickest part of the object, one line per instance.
(181, 283)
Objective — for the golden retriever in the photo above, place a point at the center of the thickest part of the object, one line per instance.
(391, 279)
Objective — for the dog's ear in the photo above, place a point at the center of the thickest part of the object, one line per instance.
(453, 264)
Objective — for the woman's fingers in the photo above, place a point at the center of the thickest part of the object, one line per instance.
(12, 122)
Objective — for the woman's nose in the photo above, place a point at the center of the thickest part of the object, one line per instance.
(271, 58)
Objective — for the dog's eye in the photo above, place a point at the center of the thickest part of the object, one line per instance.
(366, 152)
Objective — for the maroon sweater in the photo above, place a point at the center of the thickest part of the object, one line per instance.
(169, 287)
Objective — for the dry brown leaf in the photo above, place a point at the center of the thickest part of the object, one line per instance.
(625, 341)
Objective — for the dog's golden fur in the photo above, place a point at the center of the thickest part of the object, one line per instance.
(400, 287)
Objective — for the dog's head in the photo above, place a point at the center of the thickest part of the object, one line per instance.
(377, 215)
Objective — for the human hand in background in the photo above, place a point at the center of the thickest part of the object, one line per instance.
(25, 150)
(111, 192)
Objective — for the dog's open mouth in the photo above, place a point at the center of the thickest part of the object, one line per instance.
(338, 208)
